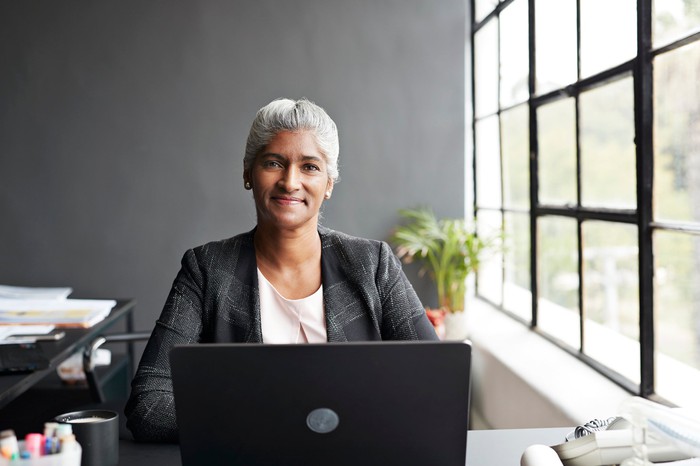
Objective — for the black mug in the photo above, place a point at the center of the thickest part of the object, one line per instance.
(97, 432)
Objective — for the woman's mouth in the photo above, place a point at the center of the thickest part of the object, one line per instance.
(287, 200)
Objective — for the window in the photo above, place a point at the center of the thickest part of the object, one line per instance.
(587, 159)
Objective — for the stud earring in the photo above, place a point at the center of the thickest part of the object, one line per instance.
(247, 185)
(328, 194)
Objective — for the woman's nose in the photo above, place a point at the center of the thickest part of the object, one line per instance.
(291, 179)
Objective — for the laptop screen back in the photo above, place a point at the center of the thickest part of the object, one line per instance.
(388, 403)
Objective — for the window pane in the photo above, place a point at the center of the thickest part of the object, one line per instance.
(677, 316)
(608, 34)
(517, 296)
(516, 157)
(482, 8)
(555, 39)
(486, 70)
(674, 19)
(556, 131)
(490, 274)
(558, 282)
(611, 296)
(488, 163)
(677, 134)
(514, 54)
(608, 169)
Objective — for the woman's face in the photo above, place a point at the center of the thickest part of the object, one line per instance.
(289, 181)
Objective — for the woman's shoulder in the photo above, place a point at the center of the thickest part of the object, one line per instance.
(224, 247)
(338, 239)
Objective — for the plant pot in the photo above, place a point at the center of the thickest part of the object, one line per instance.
(437, 318)
(456, 325)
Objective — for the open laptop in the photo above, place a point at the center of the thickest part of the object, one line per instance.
(332, 404)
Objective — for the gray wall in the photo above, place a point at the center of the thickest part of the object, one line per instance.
(123, 124)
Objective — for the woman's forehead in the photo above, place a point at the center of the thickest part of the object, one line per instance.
(294, 143)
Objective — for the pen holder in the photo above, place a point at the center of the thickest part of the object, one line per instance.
(69, 458)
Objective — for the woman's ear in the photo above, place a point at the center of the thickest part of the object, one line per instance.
(246, 181)
(329, 189)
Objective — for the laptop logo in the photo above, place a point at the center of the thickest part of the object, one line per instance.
(322, 420)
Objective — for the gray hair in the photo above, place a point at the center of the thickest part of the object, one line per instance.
(293, 115)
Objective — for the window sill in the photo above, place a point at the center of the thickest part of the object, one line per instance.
(521, 380)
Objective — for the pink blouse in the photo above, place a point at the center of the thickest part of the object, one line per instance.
(291, 320)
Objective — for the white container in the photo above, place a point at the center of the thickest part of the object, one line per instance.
(67, 458)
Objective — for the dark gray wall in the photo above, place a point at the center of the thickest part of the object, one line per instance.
(123, 124)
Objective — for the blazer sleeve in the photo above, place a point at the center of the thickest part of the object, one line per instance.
(150, 410)
(403, 315)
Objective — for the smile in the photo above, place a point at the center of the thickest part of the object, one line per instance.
(286, 200)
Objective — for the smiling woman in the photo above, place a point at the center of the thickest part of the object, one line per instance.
(289, 280)
(289, 181)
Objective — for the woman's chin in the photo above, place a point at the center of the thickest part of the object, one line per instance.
(291, 221)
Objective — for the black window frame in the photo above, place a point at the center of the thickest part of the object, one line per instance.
(640, 68)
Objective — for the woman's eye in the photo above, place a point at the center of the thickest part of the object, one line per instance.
(272, 164)
(312, 167)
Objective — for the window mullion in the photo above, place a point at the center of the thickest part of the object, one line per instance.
(579, 242)
(643, 116)
(533, 160)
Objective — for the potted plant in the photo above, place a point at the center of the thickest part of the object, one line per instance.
(450, 251)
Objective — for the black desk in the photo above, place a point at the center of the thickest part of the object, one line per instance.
(11, 386)
(484, 448)
(148, 454)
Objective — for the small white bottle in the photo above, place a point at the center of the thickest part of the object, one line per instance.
(70, 450)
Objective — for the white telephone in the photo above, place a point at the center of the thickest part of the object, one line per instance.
(644, 432)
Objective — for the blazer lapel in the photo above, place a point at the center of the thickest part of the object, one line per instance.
(248, 328)
(348, 317)
(332, 277)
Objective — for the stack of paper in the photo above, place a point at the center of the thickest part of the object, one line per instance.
(58, 312)
(37, 311)
(26, 292)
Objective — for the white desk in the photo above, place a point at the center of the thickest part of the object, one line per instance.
(505, 447)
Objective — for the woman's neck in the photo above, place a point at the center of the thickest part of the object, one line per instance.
(286, 249)
(289, 260)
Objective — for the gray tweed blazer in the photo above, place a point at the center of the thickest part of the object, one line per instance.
(214, 298)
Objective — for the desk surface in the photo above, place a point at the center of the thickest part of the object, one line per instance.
(505, 447)
(484, 448)
(11, 386)
(148, 454)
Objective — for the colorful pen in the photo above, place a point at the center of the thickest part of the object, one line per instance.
(50, 440)
(34, 444)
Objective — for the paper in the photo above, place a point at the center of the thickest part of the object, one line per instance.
(61, 313)
(28, 292)
(15, 330)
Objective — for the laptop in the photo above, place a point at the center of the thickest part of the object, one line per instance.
(329, 404)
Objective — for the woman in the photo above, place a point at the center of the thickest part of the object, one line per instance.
(289, 280)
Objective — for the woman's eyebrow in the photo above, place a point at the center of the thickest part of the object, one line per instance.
(312, 158)
(305, 158)
(272, 154)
